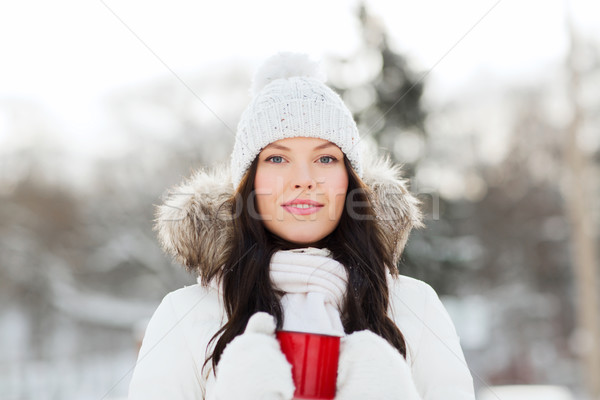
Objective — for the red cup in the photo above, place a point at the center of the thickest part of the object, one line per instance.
(314, 359)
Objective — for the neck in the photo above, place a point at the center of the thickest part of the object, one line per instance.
(283, 244)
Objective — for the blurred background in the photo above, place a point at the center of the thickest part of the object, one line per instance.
(493, 108)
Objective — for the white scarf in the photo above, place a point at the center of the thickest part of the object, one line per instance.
(314, 286)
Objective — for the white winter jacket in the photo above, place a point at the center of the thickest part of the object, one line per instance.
(174, 347)
(195, 228)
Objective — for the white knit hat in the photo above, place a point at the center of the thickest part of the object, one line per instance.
(292, 100)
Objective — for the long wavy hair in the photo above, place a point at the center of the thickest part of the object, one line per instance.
(358, 243)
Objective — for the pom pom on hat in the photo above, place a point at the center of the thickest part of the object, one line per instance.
(286, 65)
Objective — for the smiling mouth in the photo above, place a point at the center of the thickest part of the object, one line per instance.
(301, 205)
(302, 209)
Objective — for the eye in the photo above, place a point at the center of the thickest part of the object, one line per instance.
(327, 159)
(275, 159)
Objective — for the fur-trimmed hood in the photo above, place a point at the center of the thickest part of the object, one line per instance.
(194, 226)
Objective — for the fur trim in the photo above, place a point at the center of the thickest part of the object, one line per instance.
(194, 226)
(396, 208)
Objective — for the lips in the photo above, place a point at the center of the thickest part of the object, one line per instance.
(302, 206)
(303, 202)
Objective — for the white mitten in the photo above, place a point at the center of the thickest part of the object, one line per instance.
(370, 368)
(252, 365)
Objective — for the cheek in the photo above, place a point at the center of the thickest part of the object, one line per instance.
(338, 189)
(262, 181)
(265, 189)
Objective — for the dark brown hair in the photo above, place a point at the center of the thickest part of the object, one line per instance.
(357, 242)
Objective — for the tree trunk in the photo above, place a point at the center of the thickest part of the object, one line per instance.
(579, 205)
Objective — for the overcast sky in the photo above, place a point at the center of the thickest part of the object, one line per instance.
(67, 54)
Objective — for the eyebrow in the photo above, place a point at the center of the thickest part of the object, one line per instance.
(280, 147)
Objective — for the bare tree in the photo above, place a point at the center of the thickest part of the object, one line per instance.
(579, 204)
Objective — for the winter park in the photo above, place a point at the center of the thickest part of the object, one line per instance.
(115, 119)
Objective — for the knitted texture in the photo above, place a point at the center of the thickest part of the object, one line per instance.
(293, 106)
(314, 286)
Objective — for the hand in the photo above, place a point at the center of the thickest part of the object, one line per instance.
(370, 368)
(252, 365)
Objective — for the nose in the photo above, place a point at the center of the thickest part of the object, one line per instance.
(302, 178)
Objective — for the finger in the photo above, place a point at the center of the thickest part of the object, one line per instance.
(261, 322)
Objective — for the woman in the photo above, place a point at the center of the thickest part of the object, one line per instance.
(303, 233)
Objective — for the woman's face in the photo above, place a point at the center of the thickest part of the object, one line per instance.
(300, 187)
